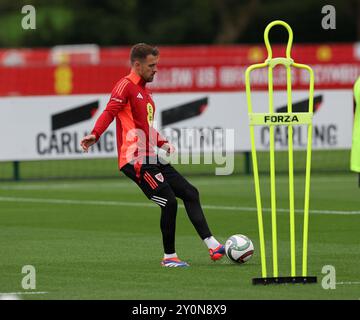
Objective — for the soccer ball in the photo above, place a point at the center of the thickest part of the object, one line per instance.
(239, 248)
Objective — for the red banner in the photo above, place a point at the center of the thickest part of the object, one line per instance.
(80, 70)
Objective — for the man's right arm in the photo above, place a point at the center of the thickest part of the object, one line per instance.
(117, 101)
(106, 117)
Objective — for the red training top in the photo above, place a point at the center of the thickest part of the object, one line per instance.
(132, 106)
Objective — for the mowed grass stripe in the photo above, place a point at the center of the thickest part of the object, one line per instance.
(111, 184)
(145, 204)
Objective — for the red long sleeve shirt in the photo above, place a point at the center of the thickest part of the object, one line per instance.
(132, 106)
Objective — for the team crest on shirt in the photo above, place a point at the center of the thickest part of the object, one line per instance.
(160, 177)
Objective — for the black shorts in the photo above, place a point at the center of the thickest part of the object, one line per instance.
(153, 177)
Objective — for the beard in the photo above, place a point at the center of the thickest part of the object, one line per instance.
(150, 78)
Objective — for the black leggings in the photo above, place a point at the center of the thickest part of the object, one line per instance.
(163, 184)
(190, 197)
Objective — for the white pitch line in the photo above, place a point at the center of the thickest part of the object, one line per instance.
(348, 282)
(126, 184)
(17, 293)
(63, 186)
(281, 210)
(146, 204)
(86, 202)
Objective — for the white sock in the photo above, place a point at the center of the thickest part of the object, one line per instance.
(211, 242)
(169, 256)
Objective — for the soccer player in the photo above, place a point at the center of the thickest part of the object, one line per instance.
(132, 106)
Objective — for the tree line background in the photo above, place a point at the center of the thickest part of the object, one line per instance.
(173, 22)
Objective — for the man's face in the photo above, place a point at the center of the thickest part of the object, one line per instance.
(147, 68)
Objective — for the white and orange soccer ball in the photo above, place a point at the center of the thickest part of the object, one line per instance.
(239, 248)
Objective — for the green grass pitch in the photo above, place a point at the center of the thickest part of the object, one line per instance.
(100, 239)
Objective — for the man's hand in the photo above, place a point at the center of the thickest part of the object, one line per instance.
(169, 148)
(87, 142)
